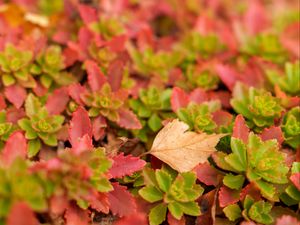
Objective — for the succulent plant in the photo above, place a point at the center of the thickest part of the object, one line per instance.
(15, 181)
(199, 116)
(288, 82)
(100, 99)
(39, 125)
(172, 191)
(108, 27)
(195, 44)
(291, 127)
(152, 107)
(260, 161)
(103, 102)
(203, 79)
(258, 211)
(268, 47)
(151, 62)
(14, 65)
(49, 67)
(6, 128)
(257, 105)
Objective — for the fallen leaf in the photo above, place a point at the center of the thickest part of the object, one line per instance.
(182, 149)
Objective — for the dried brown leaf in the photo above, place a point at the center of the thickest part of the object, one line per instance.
(182, 149)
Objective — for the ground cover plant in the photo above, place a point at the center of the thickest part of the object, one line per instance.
(135, 112)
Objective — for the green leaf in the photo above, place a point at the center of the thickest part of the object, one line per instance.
(33, 147)
(266, 160)
(248, 201)
(22, 75)
(35, 69)
(49, 139)
(8, 80)
(25, 125)
(102, 184)
(158, 214)
(233, 161)
(175, 210)
(288, 200)
(190, 208)
(46, 80)
(259, 212)
(149, 177)
(234, 181)
(184, 188)
(232, 212)
(154, 122)
(32, 105)
(93, 112)
(267, 190)
(296, 167)
(143, 111)
(164, 180)
(151, 194)
(293, 192)
(240, 151)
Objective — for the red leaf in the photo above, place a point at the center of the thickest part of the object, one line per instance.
(287, 220)
(70, 56)
(207, 203)
(57, 101)
(76, 216)
(198, 96)
(256, 17)
(174, 221)
(290, 39)
(85, 37)
(16, 95)
(95, 77)
(115, 74)
(13, 114)
(58, 204)
(80, 125)
(288, 101)
(40, 90)
(252, 190)
(83, 143)
(272, 133)
(74, 91)
(21, 214)
(228, 75)
(15, 146)
(228, 196)
(125, 165)
(223, 96)
(295, 178)
(98, 201)
(2, 102)
(179, 99)
(207, 174)
(128, 120)
(133, 219)
(175, 75)
(87, 13)
(117, 44)
(99, 125)
(222, 118)
(240, 129)
(122, 203)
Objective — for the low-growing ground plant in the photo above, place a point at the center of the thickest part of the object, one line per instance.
(136, 112)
